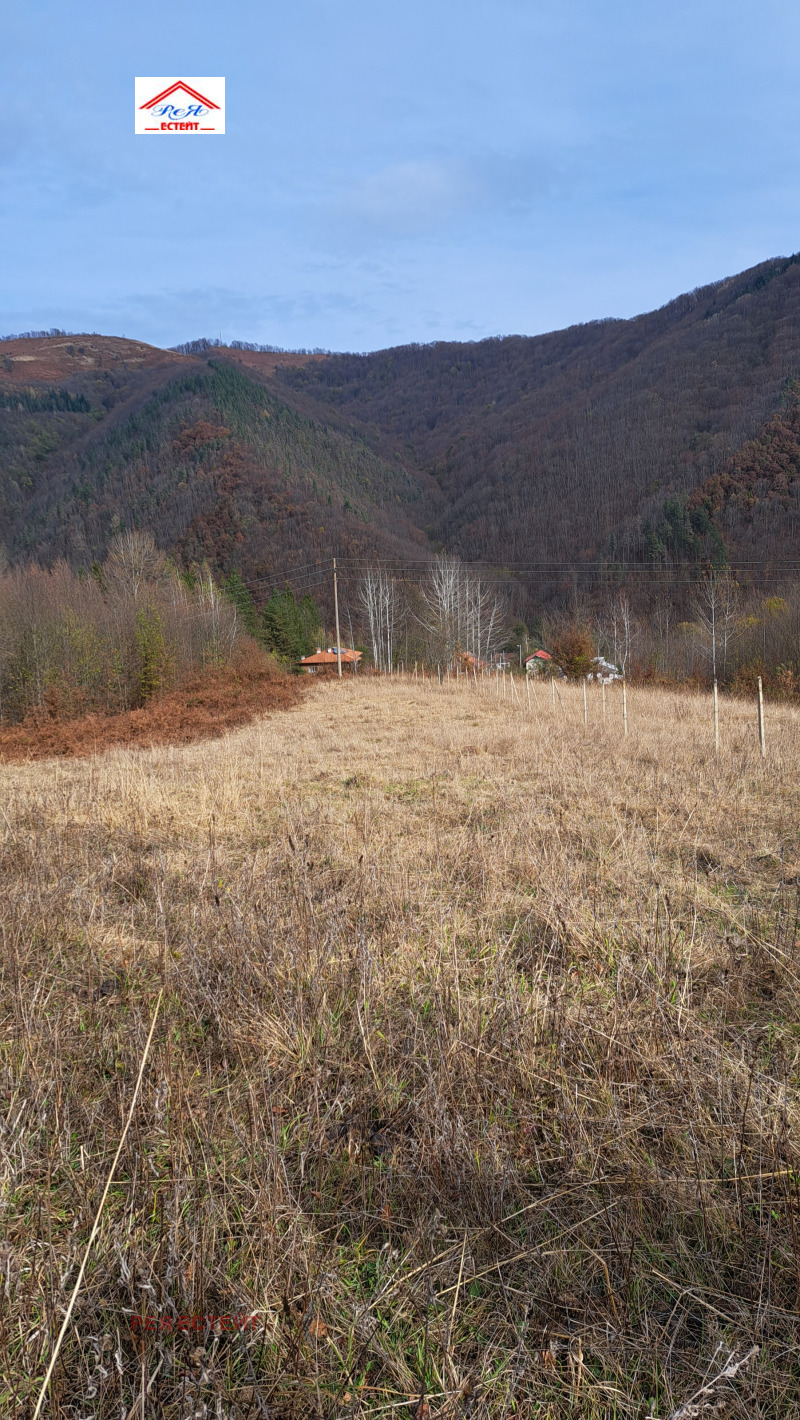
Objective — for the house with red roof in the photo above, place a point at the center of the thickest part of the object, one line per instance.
(539, 662)
(323, 661)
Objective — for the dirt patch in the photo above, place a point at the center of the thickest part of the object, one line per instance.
(202, 708)
(45, 360)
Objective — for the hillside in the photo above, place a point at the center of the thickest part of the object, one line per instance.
(611, 442)
(201, 451)
(561, 447)
(753, 499)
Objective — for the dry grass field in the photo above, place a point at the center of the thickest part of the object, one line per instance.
(473, 1088)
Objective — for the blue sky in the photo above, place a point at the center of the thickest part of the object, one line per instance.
(417, 171)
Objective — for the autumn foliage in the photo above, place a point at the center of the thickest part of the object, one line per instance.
(133, 653)
(205, 705)
(573, 650)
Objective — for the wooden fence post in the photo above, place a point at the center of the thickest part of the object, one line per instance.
(761, 720)
(624, 708)
(603, 684)
(716, 718)
(585, 717)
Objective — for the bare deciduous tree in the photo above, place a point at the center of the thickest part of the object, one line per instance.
(620, 630)
(133, 562)
(461, 614)
(664, 624)
(378, 597)
(218, 618)
(716, 606)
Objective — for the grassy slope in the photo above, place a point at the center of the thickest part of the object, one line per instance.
(477, 1067)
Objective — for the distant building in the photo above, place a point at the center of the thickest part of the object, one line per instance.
(323, 661)
(604, 671)
(539, 662)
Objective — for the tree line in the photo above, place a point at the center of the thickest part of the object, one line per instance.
(714, 627)
(135, 626)
(112, 639)
(45, 401)
(711, 627)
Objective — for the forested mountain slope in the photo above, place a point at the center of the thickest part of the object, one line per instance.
(566, 446)
(204, 454)
(671, 437)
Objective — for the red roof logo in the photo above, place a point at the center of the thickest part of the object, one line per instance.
(180, 85)
(167, 105)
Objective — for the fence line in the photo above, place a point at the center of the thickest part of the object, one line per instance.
(492, 682)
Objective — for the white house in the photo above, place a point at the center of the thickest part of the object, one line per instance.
(539, 662)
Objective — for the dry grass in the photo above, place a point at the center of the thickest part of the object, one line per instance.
(475, 1081)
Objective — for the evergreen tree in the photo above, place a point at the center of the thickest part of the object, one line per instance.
(288, 627)
(310, 624)
(236, 592)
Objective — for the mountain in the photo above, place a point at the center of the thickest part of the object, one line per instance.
(99, 434)
(669, 439)
(567, 447)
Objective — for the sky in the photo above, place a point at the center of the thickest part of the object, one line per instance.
(416, 171)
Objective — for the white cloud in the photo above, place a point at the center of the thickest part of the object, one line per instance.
(422, 196)
(409, 197)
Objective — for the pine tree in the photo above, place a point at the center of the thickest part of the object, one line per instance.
(288, 627)
(236, 592)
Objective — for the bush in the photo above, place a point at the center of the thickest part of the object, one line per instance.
(573, 650)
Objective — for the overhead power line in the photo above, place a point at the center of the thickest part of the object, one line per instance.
(312, 575)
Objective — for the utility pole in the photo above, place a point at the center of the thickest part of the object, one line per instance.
(336, 606)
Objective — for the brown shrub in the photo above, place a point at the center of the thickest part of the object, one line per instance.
(573, 650)
(205, 705)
